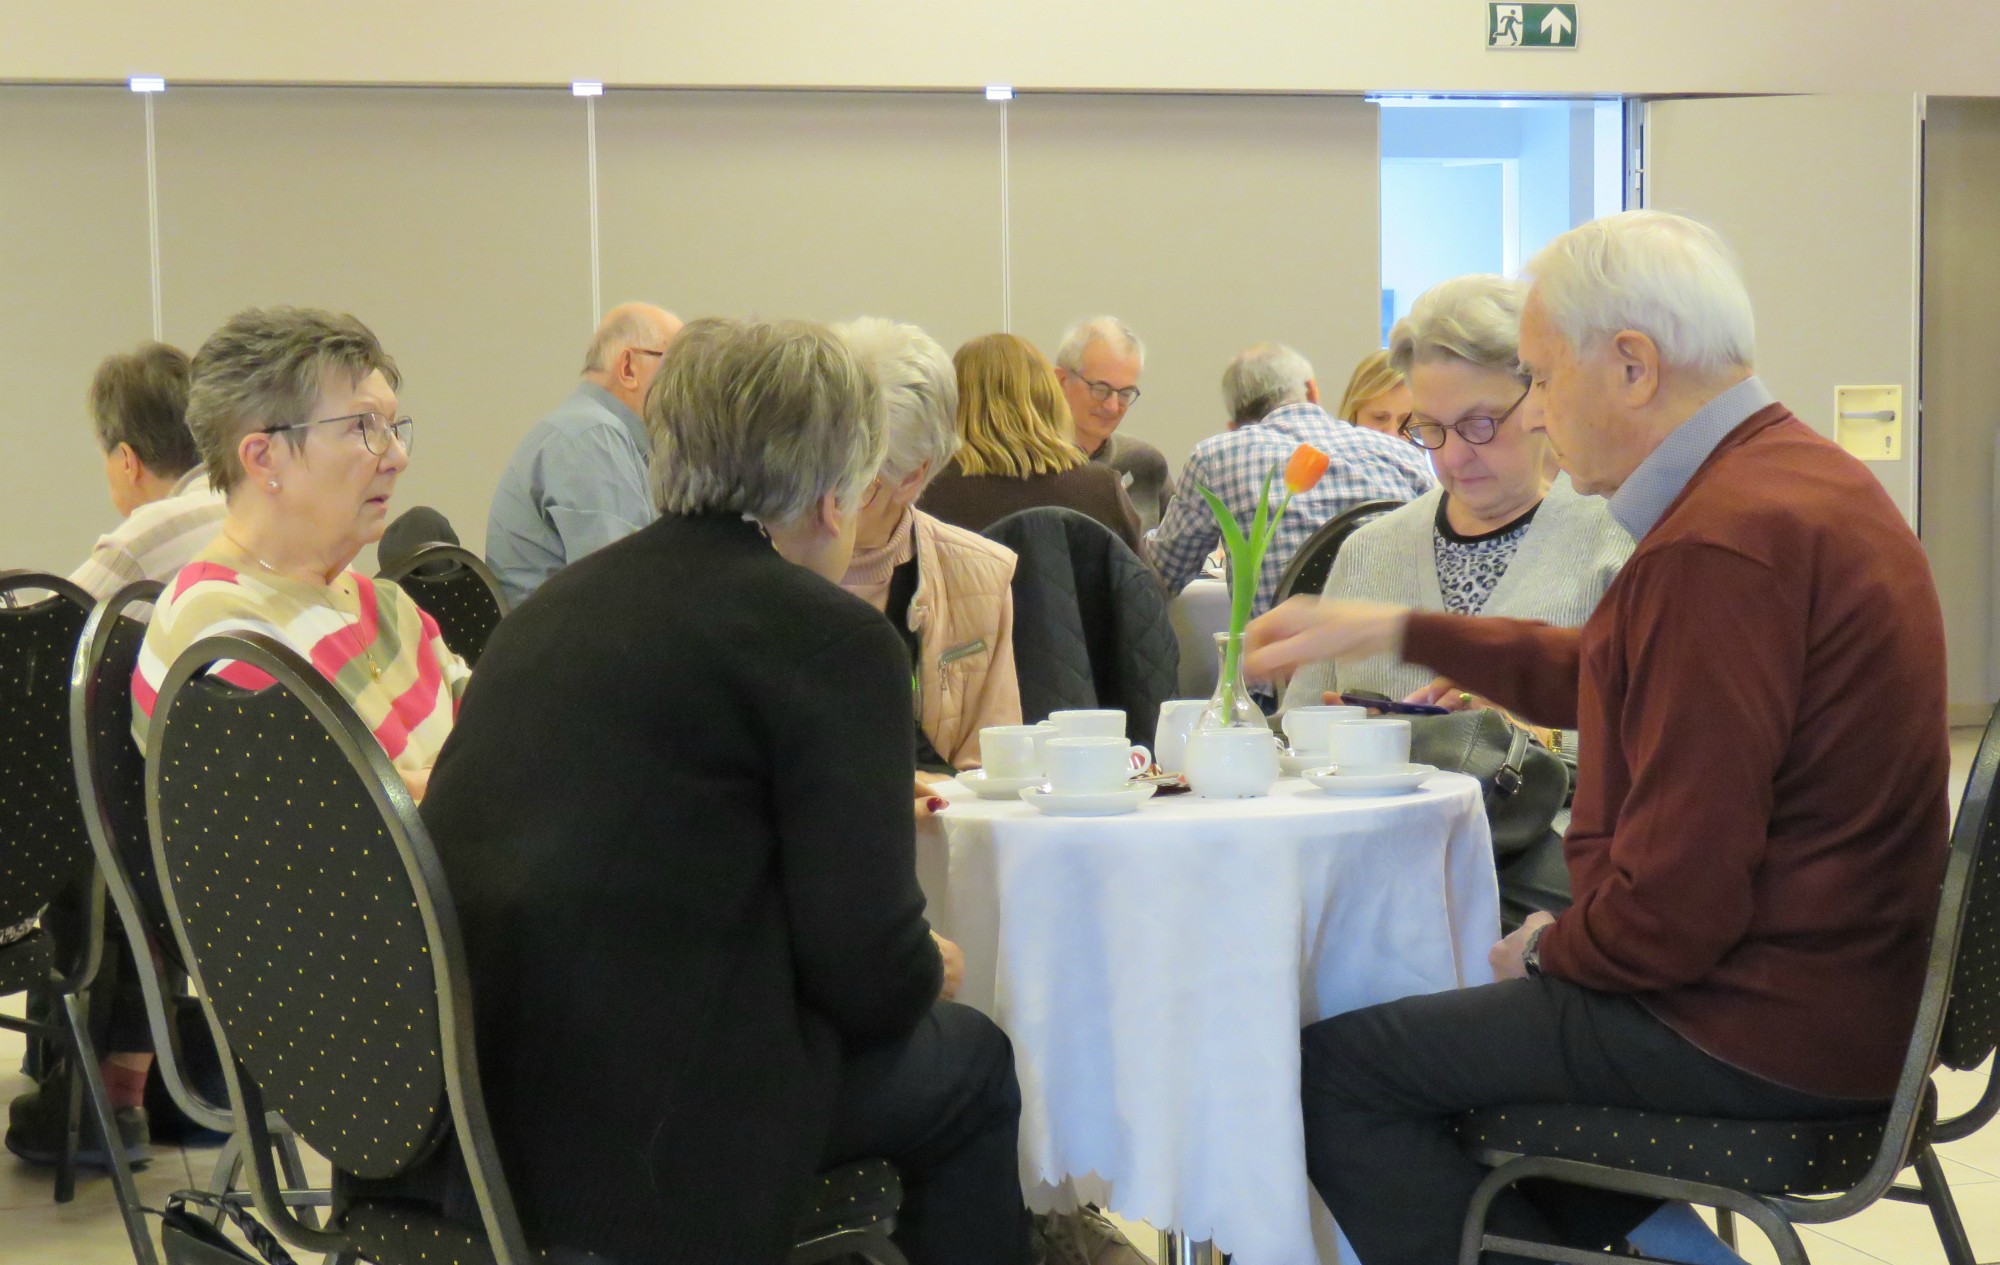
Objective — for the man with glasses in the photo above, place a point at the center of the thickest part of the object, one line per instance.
(1273, 403)
(1098, 363)
(578, 481)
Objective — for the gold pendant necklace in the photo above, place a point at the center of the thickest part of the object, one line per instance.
(367, 657)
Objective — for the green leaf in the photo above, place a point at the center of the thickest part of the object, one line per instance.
(1232, 535)
(1259, 532)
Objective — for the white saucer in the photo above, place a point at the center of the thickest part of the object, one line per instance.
(1296, 765)
(1097, 804)
(1370, 779)
(996, 787)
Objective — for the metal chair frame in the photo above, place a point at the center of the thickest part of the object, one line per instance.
(1905, 1144)
(1342, 526)
(401, 571)
(72, 1030)
(420, 864)
(163, 996)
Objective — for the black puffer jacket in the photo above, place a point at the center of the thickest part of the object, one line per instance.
(1090, 620)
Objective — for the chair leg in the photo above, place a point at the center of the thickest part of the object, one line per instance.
(1944, 1209)
(123, 1188)
(72, 1122)
(293, 1166)
(227, 1165)
(1725, 1227)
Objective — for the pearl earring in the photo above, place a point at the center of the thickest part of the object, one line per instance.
(273, 485)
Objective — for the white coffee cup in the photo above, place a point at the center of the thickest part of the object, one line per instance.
(1012, 750)
(1376, 741)
(1177, 720)
(1306, 726)
(1106, 722)
(1231, 763)
(1088, 766)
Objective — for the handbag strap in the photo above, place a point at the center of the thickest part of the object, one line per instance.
(1508, 778)
(260, 1239)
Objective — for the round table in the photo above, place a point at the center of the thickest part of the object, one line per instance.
(1154, 970)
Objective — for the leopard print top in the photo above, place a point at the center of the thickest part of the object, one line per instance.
(1470, 567)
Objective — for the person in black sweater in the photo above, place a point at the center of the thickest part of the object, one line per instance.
(675, 818)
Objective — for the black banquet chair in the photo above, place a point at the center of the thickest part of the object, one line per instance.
(111, 783)
(312, 911)
(457, 589)
(1780, 1173)
(44, 852)
(1313, 563)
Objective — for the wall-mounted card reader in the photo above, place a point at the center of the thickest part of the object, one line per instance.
(1868, 421)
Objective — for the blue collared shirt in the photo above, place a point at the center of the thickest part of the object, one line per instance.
(576, 483)
(1664, 474)
(1366, 466)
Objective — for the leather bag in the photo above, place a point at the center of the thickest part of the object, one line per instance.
(1526, 785)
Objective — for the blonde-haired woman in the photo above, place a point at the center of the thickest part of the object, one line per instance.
(1017, 448)
(1377, 396)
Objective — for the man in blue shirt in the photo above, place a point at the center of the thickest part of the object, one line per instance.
(578, 481)
(1273, 402)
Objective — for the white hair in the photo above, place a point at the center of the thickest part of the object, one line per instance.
(1109, 330)
(1265, 377)
(1474, 318)
(1665, 276)
(919, 393)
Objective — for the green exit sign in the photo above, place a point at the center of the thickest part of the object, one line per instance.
(1531, 26)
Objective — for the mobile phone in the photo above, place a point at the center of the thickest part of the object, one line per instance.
(1392, 708)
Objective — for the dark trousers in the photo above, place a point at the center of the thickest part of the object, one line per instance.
(943, 1106)
(1381, 1084)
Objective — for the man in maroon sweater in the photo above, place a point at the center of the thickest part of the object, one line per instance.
(1760, 817)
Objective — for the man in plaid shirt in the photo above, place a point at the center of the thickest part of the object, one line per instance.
(1274, 407)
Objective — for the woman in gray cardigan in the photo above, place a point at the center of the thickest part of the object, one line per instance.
(1503, 534)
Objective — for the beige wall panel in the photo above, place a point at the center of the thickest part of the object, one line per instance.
(456, 224)
(74, 285)
(1962, 381)
(1817, 195)
(821, 206)
(1641, 46)
(1207, 224)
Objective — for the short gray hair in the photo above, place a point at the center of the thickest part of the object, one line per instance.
(1109, 330)
(1666, 276)
(1474, 318)
(1265, 377)
(140, 398)
(628, 326)
(762, 419)
(919, 393)
(267, 367)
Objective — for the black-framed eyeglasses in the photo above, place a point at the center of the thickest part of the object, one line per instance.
(375, 430)
(1473, 430)
(647, 351)
(1102, 391)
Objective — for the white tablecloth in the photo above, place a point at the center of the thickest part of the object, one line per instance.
(1154, 971)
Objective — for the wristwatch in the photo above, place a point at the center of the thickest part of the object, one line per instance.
(1531, 952)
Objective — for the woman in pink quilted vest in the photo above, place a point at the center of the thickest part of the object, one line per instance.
(947, 591)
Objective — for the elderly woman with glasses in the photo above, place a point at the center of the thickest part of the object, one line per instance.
(294, 413)
(947, 591)
(1503, 534)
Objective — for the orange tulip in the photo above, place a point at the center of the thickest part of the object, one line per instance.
(1305, 468)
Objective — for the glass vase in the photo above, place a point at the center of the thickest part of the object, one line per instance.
(1231, 707)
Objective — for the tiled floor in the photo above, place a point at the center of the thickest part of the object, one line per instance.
(34, 1231)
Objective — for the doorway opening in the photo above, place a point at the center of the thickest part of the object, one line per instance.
(1479, 184)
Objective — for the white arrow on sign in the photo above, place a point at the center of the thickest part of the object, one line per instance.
(1557, 26)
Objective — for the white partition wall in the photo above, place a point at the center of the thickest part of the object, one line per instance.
(455, 224)
(1962, 384)
(820, 205)
(1208, 224)
(1819, 197)
(74, 284)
